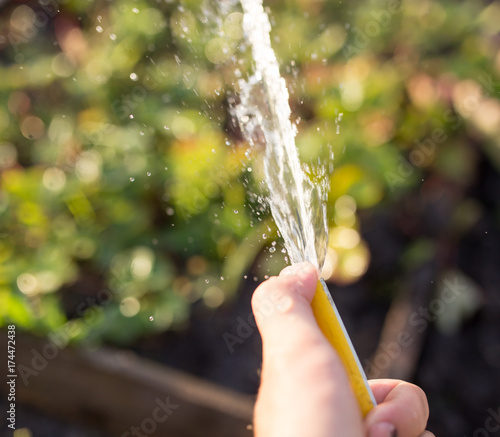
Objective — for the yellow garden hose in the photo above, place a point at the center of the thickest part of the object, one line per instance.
(333, 328)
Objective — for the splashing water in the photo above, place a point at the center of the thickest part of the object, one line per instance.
(297, 204)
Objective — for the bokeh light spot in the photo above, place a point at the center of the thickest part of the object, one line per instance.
(213, 297)
(217, 50)
(32, 128)
(8, 155)
(130, 306)
(27, 284)
(54, 179)
(142, 263)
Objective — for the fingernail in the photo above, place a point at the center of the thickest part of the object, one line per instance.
(383, 429)
(293, 269)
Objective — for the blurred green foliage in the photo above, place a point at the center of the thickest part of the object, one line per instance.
(126, 191)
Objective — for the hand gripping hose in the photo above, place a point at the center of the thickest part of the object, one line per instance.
(333, 328)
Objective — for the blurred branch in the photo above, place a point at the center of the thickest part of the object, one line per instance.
(405, 327)
(115, 391)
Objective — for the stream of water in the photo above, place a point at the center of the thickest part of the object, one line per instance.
(297, 204)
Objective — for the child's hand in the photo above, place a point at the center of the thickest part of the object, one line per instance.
(305, 391)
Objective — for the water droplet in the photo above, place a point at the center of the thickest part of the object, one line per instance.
(235, 211)
(148, 173)
(264, 236)
(249, 169)
(132, 179)
(266, 276)
(207, 281)
(272, 249)
(112, 36)
(131, 116)
(245, 276)
(151, 318)
(135, 10)
(99, 29)
(134, 77)
(222, 278)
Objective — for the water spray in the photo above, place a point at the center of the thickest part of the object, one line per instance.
(298, 206)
